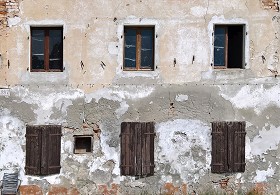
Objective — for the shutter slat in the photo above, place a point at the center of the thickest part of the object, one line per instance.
(219, 146)
(145, 149)
(232, 145)
(33, 151)
(54, 149)
(151, 148)
(127, 148)
(239, 153)
(45, 150)
(138, 146)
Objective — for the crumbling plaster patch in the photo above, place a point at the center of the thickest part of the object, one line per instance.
(14, 21)
(181, 98)
(121, 94)
(177, 138)
(266, 140)
(263, 175)
(46, 100)
(257, 97)
(11, 141)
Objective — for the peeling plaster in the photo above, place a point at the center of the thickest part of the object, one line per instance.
(265, 141)
(255, 97)
(262, 175)
(12, 155)
(13, 21)
(176, 140)
(46, 101)
(181, 98)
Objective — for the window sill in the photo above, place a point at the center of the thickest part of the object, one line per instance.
(137, 70)
(39, 70)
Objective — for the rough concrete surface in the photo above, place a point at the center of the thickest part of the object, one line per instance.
(182, 98)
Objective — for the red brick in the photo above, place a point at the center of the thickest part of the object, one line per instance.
(30, 190)
(170, 189)
(61, 190)
(104, 190)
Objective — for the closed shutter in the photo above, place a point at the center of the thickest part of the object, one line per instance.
(228, 147)
(51, 144)
(137, 148)
(138, 135)
(33, 150)
(127, 165)
(219, 147)
(239, 147)
(148, 148)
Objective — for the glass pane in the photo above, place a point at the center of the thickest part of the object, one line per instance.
(55, 53)
(130, 48)
(147, 43)
(219, 46)
(37, 45)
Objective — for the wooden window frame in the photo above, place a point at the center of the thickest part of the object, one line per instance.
(228, 146)
(46, 49)
(83, 136)
(138, 48)
(225, 26)
(43, 149)
(137, 149)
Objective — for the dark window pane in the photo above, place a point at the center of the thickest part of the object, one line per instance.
(55, 53)
(147, 37)
(219, 46)
(37, 44)
(130, 48)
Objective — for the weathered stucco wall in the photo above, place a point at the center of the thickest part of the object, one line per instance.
(182, 99)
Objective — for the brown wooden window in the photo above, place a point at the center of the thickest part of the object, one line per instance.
(46, 49)
(228, 147)
(43, 149)
(137, 148)
(83, 144)
(138, 48)
(229, 46)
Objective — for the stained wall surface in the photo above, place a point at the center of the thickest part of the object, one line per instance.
(93, 95)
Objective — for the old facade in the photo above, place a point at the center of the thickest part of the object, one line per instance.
(140, 96)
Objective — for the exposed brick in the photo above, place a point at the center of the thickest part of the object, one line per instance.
(30, 190)
(60, 190)
(170, 189)
(73, 191)
(105, 190)
(271, 4)
(55, 190)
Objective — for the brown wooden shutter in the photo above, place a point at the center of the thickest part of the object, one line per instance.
(228, 147)
(54, 149)
(219, 147)
(137, 148)
(51, 145)
(138, 141)
(33, 150)
(127, 165)
(239, 147)
(148, 133)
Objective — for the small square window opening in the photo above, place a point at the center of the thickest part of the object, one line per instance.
(46, 49)
(229, 46)
(138, 48)
(83, 144)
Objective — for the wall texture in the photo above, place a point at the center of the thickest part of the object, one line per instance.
(182, 98)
